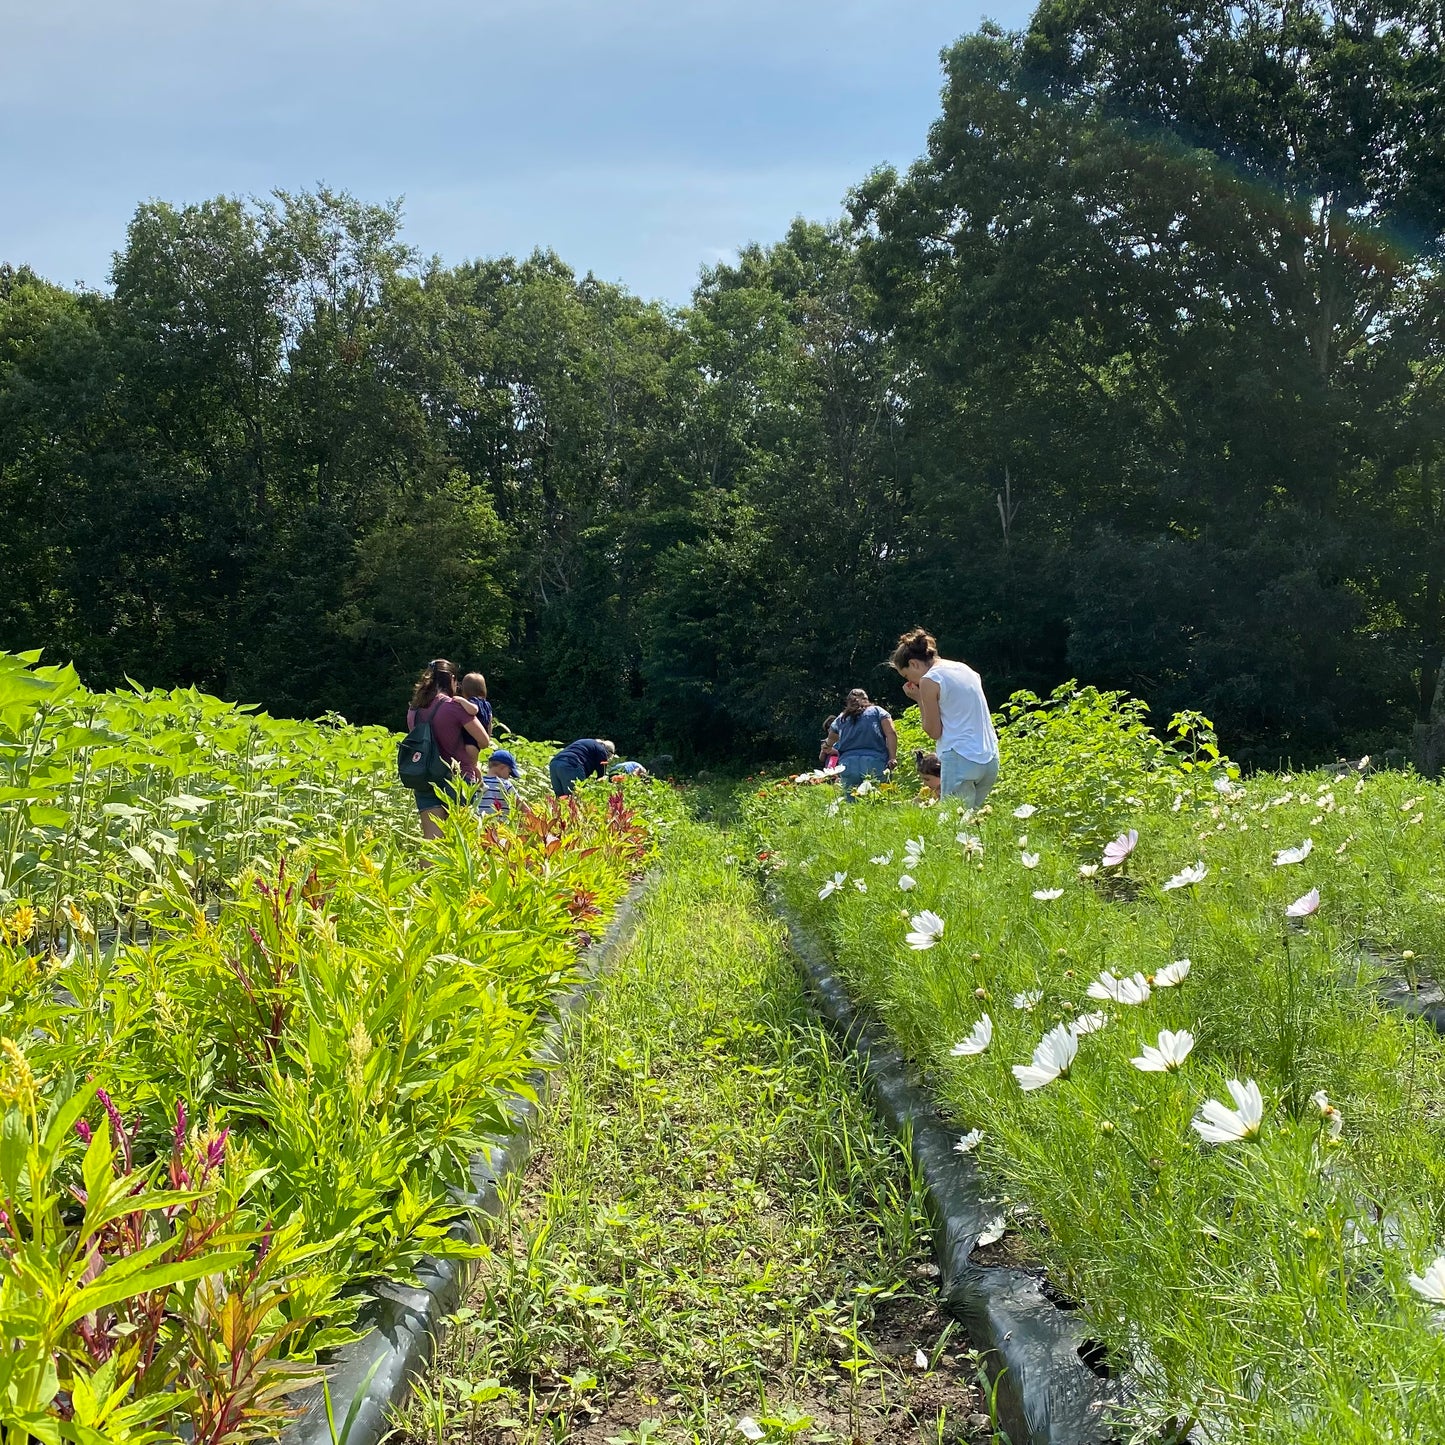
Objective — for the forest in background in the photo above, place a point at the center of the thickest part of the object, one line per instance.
(1136, 376)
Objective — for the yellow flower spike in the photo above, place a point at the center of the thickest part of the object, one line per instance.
(19, 925)
(17, 1083)
(82, 926)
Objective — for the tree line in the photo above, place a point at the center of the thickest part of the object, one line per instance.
(1136, 375)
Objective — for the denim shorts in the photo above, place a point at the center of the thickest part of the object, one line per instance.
(966, 780)
(435, 797)
(857, 766)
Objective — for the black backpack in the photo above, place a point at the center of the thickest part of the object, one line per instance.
(419, 761)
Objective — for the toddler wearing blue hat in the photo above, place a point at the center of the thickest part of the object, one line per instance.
(498, 789)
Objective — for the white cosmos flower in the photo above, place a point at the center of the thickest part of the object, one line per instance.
(1302, 907)
(1172, 974)
(1223, 785)
(833, 885)
(1120, 990)
(1294, 855)
(972, 845)
(833, 808)
(1028, 999)
(1220, 1125)
(1089, 1023)
(977, 1041)
(1172, 1050)
(860, 885)
(1185, 877)
(1029, 860)
(1025, 810)
(1047, 895)
(1431, 1284)
(1122, 846)
(882, 860)
(866, 786)
(927, 930)
(907, 883)
(749, 1429)
(969, 1142)
(1334, 1120)
(920, 1360)
(1087, 870)
(993, 1231)
(1053, 1057)
(913, 846)
(1178, 803)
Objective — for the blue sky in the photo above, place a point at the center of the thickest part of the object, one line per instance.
(640, 140)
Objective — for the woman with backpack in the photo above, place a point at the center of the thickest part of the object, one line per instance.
(864, 738)
(442, 735)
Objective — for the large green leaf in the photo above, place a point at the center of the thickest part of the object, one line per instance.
(118, 1282)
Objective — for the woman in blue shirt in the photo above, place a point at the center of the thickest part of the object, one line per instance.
(864, 738)
(587, 757)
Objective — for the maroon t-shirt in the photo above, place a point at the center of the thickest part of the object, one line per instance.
(448, 724)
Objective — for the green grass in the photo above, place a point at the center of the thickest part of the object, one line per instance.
(713, 1225)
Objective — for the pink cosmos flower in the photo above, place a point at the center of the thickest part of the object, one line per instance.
(1303, 907)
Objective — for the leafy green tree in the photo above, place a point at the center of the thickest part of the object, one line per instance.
(1151, 265)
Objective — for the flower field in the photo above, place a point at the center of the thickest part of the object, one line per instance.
(1145, 991)
(249, 1039)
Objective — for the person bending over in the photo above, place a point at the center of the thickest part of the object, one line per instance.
(628, 769)
(955, 715)
(586, 758)
(865, 740)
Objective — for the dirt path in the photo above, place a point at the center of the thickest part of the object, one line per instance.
(715, 1241)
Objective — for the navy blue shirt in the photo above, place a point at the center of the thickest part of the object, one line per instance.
(588, 754)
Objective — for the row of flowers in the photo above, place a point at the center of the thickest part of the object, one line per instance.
(1116, 854)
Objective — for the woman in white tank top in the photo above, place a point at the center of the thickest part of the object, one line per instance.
(955, 715)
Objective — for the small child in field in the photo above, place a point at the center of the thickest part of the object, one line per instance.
(930, 772)
(473, 690)
(827, 753)
(498, 789)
